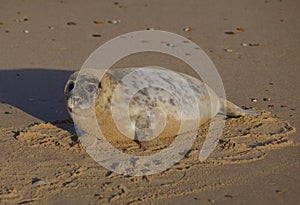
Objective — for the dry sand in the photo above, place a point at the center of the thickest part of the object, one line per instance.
(255, 162)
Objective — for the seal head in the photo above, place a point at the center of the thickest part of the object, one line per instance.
(87, 90)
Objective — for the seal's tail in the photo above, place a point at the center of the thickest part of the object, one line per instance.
(231, 110)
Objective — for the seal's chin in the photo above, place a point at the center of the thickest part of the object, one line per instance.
(79, 131)
(85, 106)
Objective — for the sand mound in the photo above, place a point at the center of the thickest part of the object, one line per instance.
(58, 134)
(250, 138)
(244, 139)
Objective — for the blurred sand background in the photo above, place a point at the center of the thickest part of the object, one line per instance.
(43, 42)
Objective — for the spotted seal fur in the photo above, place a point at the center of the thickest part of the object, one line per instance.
(90, 92)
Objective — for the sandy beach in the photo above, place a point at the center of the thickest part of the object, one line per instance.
(255, 47)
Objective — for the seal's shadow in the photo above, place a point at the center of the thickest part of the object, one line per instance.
(38, 92)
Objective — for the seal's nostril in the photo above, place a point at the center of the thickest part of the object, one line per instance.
(76, 100)
(73, 102)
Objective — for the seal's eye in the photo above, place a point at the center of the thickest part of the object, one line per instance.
(71, 86)
(91, 88)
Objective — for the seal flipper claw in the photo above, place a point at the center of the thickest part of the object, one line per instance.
(231, 110)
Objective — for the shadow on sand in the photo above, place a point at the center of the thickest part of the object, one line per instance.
(38, 92)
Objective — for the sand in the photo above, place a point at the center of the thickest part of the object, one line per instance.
(257, 158)
(60, 164)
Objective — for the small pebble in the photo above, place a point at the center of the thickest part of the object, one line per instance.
(98, 22)
(253, 44)
(229, 50)
(21, 20)
(114, 21)
(171, 45)
(26, 31)
(150, 29)
(7, 113)
(1, 23)
(71, 23)
(187, 29)
(228, 196)
(271, 83)
(278, 191)
(293, 109)
(244, 44)
(240, 29)
(229, 32)
(51, 27)
(96, 35)
(283, 106)
(266, 99)
(36, 181)
(211, 201)
(246, 107)
(40, 182)
(254, 100)
(270, 106)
